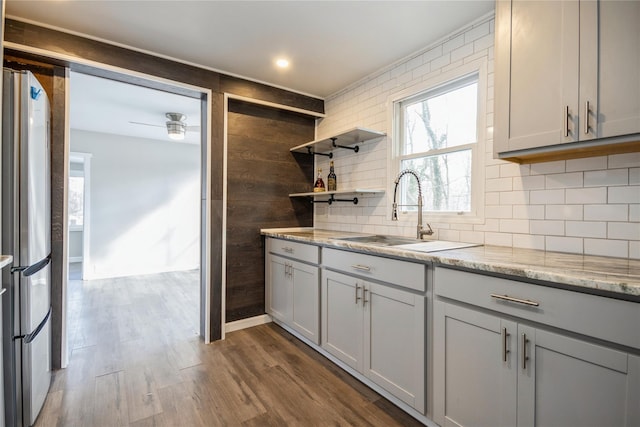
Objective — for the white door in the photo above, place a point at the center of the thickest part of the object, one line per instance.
(537, 61)
(565, 381)
(342, 317)
(279, 302)
(474, 371)
(394, 342)
(305, 316)
(610, 68)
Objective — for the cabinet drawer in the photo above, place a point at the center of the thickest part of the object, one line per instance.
(402, 273)
(600, 317)
(300, 251)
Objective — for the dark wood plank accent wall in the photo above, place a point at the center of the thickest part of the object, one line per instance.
(73, 46)
(261, 172)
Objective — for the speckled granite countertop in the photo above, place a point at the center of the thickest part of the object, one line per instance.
(616, 277)
(5, 260)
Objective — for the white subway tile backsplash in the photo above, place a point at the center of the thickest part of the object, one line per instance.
(477, 32)
(542, 197)
(499, 184)
(606, 177)
(586, 196)
(532, 182)
(498, 239)
(563, 244)
(512, 169)
(498, 212)
(514, 226)
(626, 160)
(547, 227)
(566, 212)
(528, 211)
(604, 247)
(634, 250)
(606, 213)
(586, 164)
(528, 241)
(548, 168)
(586, 229)
(588, 205)
(472, 237)
(492, 199)
(629, 194)
(564, 180)
(514, 198)
(624, 230)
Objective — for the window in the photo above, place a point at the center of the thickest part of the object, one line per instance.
(438, 133)
(76, 199)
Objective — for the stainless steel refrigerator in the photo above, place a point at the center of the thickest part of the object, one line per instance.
(26, 234)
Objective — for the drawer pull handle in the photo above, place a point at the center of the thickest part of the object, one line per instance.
(505, 350)
(516, 300)
(288, 250)
(361, 267)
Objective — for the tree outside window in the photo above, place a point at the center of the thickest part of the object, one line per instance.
(438, 134)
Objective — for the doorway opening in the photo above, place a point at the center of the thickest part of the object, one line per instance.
(136, 191)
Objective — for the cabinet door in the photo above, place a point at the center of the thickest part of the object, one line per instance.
(474, 368)
(566, 381)
(279, 288)
(537, 64)
(305, 316)
(610, 68)
(394, 342)
(342, 317)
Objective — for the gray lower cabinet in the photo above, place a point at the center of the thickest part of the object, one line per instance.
(491, 369)
(378, 331)
(293, 293)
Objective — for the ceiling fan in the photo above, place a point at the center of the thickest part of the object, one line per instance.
(176, 126)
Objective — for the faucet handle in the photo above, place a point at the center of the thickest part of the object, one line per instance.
(394, 212)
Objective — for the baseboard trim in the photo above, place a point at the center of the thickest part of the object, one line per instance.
(247, 323)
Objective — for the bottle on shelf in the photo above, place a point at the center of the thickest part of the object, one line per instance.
(318, 187)
(331, 179)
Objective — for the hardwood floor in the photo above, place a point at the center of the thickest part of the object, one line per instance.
(136, 360)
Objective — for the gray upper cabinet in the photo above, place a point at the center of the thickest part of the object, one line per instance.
(567, 78)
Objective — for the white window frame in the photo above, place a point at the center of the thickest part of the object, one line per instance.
(476, 214)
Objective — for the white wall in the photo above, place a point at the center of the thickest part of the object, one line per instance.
(145, 198)
(585, 206)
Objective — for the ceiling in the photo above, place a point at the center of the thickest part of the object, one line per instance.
(330, 44)
(108, 106)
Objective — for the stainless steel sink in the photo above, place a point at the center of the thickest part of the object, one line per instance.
(380, 240)
(408, 243)
(435, 246)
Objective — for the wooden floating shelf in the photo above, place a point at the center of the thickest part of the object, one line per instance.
(350, 191)
(347, 140)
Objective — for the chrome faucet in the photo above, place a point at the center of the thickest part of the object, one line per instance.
(394, 214)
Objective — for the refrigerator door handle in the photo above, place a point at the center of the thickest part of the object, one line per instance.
(34, 268)
(30, 337)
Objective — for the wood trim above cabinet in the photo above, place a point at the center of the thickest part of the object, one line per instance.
(576, 150)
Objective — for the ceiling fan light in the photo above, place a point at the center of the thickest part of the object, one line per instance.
(176, 130)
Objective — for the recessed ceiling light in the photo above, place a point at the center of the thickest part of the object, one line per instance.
(282, 63)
